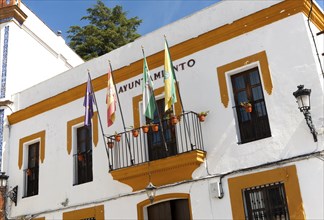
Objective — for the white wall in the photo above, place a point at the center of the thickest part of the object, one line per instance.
(35, 53)
(291, 62)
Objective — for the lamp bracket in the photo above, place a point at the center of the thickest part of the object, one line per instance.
(310, 124)
(12, 194)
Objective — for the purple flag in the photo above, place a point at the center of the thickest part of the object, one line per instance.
(88, 104)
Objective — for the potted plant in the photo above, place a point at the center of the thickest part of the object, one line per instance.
(145, 128)
(80, 157)
(174, 119)
(110, 144)
(155, 127)
(247, 106)
(202, 116)
(29, 172)
(117, 137)
(135, 132)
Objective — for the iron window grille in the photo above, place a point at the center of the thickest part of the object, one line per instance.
(266, 202)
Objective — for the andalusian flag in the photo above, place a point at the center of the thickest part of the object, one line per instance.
(111, 99)
(169, 80)
(148, 94)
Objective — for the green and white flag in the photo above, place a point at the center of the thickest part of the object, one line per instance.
(148, 94)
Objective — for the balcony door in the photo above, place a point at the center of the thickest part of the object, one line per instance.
(32, 170)
(156, 146)
(247, 87)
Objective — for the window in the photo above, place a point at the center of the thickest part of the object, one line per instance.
(266, 202)
(157, 148)
(172, 210)
(253, 125)
(32, 171)
(275, 187)
(83, 155)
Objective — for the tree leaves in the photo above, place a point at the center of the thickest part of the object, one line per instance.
(108, 29)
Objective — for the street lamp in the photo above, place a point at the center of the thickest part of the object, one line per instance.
(3, 180)
(150, 191)
(303, 99)
(12, 194)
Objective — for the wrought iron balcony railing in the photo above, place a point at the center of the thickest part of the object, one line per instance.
(138, 146)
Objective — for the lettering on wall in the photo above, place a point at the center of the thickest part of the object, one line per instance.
(155, 76)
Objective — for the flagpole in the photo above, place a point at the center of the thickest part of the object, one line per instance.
(178, 90)
(103, 135)
(158, 113)
(121, 113)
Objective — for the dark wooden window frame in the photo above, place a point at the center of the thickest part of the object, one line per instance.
(32, 172)
(83, 155)
(251, 125)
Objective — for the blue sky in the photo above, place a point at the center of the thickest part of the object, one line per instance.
(61, 14)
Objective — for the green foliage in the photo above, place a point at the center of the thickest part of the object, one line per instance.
(108, 29)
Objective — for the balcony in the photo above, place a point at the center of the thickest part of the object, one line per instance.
(169, 154)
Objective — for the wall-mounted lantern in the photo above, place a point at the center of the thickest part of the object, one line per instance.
(303, 99)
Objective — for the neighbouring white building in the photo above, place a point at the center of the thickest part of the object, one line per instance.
(237, 164)
(29, 52)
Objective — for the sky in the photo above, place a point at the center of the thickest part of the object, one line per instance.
(61, 14)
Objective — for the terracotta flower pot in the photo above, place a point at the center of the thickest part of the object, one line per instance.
(80, 157)
(117, 137)
(155, 127)
(145, 128)
(28, 172)
(202, 118)
(248, 108)
(135, 133)
(174, 120)
(110, 144)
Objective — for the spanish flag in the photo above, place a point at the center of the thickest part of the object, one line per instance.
(169, 80)
(111, 99)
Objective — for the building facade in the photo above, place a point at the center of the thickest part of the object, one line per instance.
(236, 164)
(29, 53)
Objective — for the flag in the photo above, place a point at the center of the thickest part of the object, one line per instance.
(169, 80)
(88, 104)
(111, 99)
(148, 95)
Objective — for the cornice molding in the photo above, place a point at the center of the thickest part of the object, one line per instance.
(12, 11)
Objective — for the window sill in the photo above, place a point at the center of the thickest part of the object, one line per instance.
(78, 184)
(24, 197)
(257, 139)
